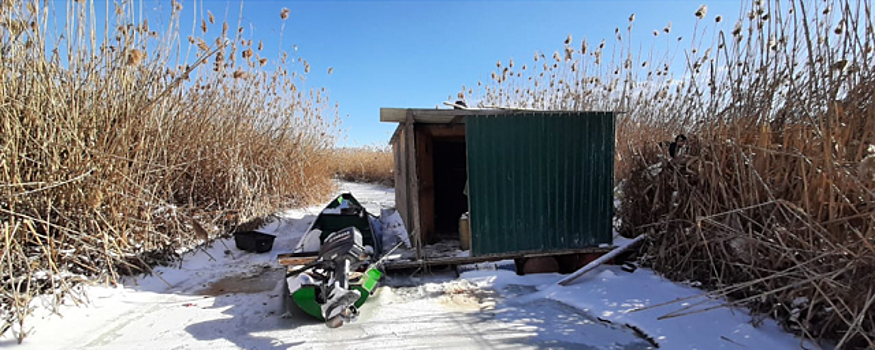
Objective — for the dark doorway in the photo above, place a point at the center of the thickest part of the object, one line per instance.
(450, 175)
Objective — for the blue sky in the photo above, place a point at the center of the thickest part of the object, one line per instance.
(418, 53)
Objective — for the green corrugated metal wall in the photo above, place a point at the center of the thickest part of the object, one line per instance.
(540, 181)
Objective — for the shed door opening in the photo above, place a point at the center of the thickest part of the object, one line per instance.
(450, 174)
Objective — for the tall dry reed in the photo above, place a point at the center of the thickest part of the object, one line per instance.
(371, 164)
(771, 204)
(118, 150)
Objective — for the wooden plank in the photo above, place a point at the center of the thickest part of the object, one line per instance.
(397, 115)
(395, 265)
(601, 260)
(444, 116)
(444, 130)
(401, 184)
(397, 134)
(422, 114)
(287, 259)
(413, 186)
(425, 174)
(468, 190)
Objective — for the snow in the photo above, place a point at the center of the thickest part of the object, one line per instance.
(634, 299)
(236, 300)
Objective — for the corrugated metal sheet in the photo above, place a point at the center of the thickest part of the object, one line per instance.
(540, 181)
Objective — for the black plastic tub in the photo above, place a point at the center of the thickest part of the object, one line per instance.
(252, 241)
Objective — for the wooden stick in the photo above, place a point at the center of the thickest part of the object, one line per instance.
(601, 260)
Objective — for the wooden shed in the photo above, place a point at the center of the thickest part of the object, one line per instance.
(534, 182)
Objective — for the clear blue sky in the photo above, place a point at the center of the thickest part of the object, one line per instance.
(417, 53)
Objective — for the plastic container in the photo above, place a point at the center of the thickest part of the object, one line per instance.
(253, 241)
(464, 232)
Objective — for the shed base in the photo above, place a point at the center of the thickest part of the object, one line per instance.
(567, 260)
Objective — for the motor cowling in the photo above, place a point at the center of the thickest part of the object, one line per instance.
(345, 244)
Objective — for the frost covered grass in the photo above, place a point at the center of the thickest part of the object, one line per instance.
(771, 202)
(123, 146)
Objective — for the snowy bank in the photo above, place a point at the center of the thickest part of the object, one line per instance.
(639, 299)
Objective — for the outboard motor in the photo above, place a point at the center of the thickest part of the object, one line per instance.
(341, 251)
(343, 244)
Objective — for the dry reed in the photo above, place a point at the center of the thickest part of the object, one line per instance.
(114, 150)
(370, 164)
(771, 204)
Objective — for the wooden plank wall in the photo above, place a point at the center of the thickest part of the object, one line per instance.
(425, 172)
(401, 184)
(413, 186)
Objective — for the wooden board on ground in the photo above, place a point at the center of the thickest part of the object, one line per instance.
(288, 259)
(598, 262)
(408, 264)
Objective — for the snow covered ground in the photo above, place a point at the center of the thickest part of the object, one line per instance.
(235, 301)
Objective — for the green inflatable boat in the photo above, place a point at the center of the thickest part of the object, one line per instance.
(333, 282)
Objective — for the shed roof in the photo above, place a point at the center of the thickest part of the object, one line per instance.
(445, 116)
(453, 116)
(430, 116)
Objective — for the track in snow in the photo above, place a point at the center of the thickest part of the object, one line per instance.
(236, 302)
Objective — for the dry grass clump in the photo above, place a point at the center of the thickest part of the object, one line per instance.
(364, 164)
(771, 204)
(117, 152)
(723, 215)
